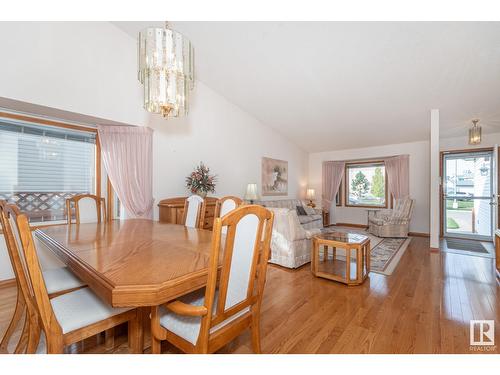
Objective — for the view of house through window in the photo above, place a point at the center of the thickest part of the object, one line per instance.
(43, 165)
(366, 185)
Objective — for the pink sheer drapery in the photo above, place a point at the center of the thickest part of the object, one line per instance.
(398, 175)
(333, 171)
(127, 152)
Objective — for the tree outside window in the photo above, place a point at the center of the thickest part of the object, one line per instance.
(366, 185)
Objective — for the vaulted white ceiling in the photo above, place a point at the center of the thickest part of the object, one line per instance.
(337, 85)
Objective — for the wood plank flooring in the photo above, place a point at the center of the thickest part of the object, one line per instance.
(423, 307)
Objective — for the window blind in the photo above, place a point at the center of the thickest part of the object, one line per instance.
(41, 166)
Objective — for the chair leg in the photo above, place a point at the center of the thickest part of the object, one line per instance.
(16, 318)
(155, 345)
(256, 333)
(109, 338)
(34, 339)
(23, 340)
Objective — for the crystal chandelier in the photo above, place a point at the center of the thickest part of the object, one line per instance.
(166, 70)
(475, 133)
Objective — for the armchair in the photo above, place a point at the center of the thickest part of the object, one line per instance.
(392, 223)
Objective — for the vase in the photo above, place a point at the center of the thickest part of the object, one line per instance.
(202, 194)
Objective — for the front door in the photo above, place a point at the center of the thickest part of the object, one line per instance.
(468, 198)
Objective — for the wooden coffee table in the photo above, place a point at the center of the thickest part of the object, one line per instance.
(345, 269)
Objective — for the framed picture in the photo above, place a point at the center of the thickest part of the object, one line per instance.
(274, 177)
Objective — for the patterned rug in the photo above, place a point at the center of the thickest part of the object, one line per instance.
(385, 252)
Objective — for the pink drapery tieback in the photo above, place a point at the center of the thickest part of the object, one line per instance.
(333, 171)
(127, 153)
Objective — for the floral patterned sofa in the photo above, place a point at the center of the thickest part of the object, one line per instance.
(291, 240)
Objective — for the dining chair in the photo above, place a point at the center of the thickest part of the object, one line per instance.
(58, 281)
(87, 208)
(225, 205)
(206, 320)
(67, 318)
(194, 208)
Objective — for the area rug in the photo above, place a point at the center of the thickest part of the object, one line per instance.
(385, 252)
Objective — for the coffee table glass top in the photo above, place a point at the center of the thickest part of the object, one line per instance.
(348, 238)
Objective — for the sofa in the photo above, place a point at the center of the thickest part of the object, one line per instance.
(291, 239)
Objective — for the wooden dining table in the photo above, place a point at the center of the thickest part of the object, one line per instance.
(133, 263)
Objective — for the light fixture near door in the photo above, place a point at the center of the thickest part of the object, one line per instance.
(166, 70)
(475, 133)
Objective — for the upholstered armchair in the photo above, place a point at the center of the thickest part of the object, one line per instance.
(394, 222)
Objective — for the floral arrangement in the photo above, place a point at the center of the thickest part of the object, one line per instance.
(200, 181)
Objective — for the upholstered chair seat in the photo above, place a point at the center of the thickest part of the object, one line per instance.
(188, 327)
(81, 308)
(60, 279)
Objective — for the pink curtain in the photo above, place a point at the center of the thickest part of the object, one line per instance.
(398, 175)
(127, 152)
(333, 171)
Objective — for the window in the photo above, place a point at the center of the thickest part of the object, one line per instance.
(366, 185)
(42, 166)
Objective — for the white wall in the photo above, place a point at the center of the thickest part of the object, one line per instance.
(228, 140)
(84, 67)
(419, 179)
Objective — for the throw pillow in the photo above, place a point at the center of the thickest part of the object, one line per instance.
(310, 210)
(301, 211)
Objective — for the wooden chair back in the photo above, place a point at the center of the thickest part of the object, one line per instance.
(45, 317)
(194, 207)
(13, 237)
(244, 253)
(225, 205)
(87, 208)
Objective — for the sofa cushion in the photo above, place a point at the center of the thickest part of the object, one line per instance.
(304, 219)
(310, 210)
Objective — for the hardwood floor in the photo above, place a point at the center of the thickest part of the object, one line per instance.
(423, 307)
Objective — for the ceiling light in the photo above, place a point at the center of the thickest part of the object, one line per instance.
(166, 70)
(475, 133)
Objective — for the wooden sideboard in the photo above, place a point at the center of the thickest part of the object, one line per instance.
(172, 209)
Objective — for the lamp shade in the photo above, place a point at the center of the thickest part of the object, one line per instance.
(251, 193)
(310, 194)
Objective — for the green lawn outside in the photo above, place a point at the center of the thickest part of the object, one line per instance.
(462, 205)
(451, 224)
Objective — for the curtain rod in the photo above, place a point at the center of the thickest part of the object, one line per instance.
(378, 158)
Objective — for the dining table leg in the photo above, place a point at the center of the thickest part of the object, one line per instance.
(136, 332)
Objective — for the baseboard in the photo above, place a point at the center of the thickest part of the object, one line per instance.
(7, 283)
(419, 234)
(351, 225)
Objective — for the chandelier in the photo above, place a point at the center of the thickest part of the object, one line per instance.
(166, 70)
(475, 133)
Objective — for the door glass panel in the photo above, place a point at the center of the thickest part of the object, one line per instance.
(467, 195)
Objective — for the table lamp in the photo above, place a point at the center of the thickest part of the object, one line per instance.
(251, 193)
(310, 196)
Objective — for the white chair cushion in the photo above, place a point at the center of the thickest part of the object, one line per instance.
(81, 308)
(59, 279)
(188, 327)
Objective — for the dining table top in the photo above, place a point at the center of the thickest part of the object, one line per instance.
(133, 263)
